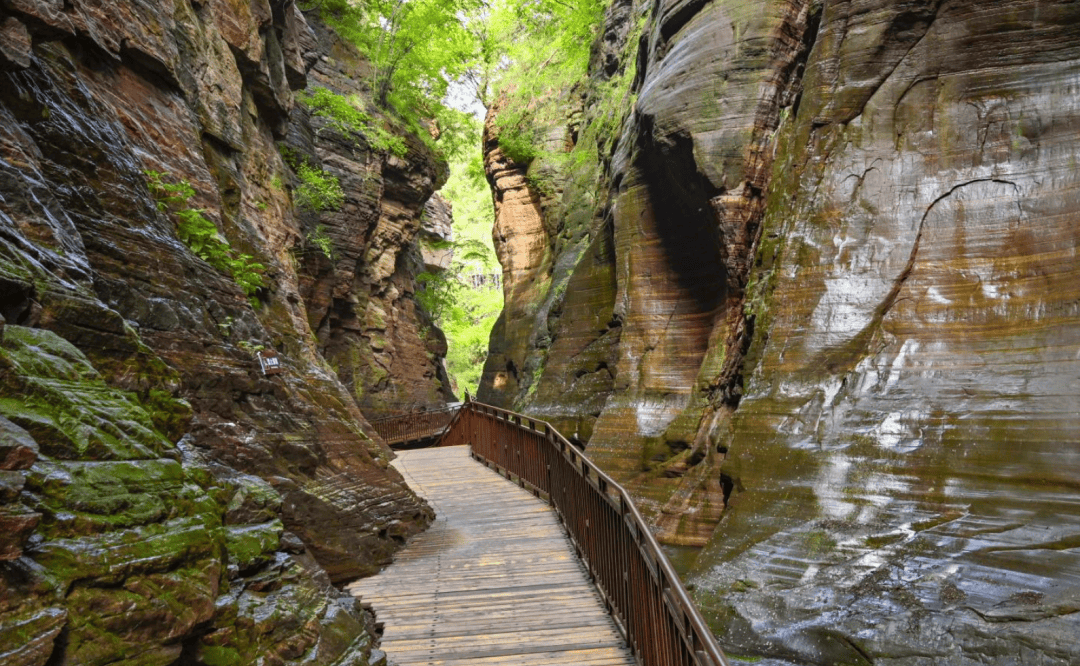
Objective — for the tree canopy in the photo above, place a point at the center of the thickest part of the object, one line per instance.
(526, 49)
(527, 53)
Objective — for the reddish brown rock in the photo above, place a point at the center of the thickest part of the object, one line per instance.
(360, 299)
(522, 246)
(16, 524)
(139, 538)
(18, 450)
(14, 44)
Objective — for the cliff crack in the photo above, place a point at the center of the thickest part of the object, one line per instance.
(905, 18)
(841, 357)
(890, 299)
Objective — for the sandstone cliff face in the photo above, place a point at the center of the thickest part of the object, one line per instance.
(841, 242)
(360, 300)
(166, 501)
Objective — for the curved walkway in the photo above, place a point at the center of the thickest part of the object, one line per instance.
(494, 581)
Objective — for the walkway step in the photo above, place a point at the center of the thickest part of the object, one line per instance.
(493, 582)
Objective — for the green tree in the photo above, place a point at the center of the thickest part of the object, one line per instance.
(540, 50)
(464, 312)
(416, 48)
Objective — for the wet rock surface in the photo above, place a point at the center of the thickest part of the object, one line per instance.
(165, 501)
(360, 299)
(917, 391)
(140, 549)
(828, 323)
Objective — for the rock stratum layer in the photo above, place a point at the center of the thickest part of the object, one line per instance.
(161, 500)
(835, 275)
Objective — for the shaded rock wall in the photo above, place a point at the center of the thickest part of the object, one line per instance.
(835, 276)
(154, 429)
(360, 300)
(123, 546)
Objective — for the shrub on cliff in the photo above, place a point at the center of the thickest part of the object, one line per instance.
(201, 236)
(416, 48)
(318, 190)
(346, 116)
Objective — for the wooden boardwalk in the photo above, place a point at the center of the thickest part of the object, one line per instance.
(493, 582)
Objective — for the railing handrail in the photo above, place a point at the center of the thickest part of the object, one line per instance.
(413, 426)
(411, 415)
(702, 647)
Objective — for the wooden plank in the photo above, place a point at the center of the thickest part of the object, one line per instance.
(493, 582)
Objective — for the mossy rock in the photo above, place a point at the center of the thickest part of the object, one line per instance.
(50, 388)
(252, 545)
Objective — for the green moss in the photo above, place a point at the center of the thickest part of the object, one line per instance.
(114, 556)
(818, 542)
(253, 544)
(52, 390)
(170, 415)
(221, 655)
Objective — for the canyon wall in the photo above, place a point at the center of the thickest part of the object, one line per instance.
(359, 299)
(162, 500)
(823, 317)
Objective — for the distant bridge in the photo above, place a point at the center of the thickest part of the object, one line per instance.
(416, 429)
(494, 581)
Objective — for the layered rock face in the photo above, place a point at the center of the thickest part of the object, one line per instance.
(167, 502)
(360, 299)
(122, 546)
(840, 283)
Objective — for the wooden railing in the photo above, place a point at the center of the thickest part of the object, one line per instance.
(413, 427)
(635, 578)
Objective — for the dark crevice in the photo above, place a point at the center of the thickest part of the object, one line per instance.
(798, 37)
(674, 22)
(678, 446)
(809, 39)
(679, 191)
(17, 302)
(855, 646)
(695, 458)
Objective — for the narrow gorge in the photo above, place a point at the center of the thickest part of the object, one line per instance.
(811, 292)
(802, 275)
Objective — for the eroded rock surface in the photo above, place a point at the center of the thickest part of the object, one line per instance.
(910, 422)
(826, 324)
(360, 299)
(166, 500)
(141, 550)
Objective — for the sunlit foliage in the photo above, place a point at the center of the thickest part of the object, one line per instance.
(465, 311)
